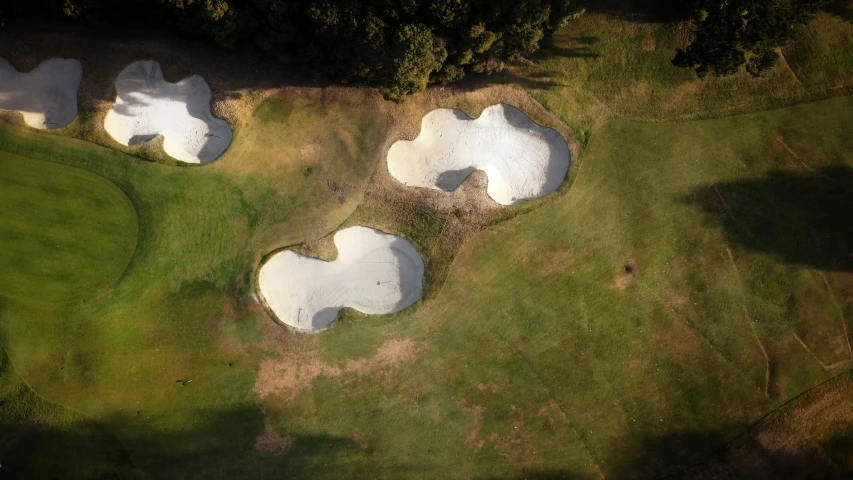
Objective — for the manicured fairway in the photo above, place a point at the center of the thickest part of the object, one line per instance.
(66, 233)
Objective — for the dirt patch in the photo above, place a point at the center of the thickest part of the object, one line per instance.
(343, 190)
(309, 149)
(270, 442)
(291, 374)
(626, 275)
(473, 438)
(677, 340)
(513, 444)
(361, 441)
(559, 261)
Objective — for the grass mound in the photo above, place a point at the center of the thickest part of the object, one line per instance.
(66, 234)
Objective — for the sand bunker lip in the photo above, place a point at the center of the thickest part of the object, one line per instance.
(46, 96)
(375, 273)
(147, 105)
(522, 159)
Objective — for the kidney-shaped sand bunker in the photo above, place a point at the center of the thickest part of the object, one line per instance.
(147, 105)
(375, 273)
(46, 96)
(522, 159)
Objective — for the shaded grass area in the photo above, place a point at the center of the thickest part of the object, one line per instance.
(622, 329)
(66, 233)
(39, 439)
(810, 437)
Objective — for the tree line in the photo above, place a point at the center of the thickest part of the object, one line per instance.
(404, 45)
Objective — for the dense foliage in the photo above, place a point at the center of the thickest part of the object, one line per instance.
(400, 45)
(734, 33)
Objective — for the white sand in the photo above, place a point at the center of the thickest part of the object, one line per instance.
(147, 105)
(47, 96)
(374, 273)
(522, 159)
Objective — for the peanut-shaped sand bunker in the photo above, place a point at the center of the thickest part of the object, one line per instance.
(147, 105)
(374, 273)
(523, 160)
(46, 96)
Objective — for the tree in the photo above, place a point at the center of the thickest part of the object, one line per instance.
(734, 33)
(416, 54)
(399, 45)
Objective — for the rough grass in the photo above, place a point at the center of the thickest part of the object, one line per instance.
(606, 66)
(39, 439)
(679, 290)
(66, 232)
(810, 437)
(621, 328)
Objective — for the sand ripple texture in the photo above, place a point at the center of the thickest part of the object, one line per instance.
(147, 105)
(46, 96)
(375, 273)
(523, 160)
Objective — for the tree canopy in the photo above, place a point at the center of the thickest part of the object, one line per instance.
(399, 45)
(732, 34)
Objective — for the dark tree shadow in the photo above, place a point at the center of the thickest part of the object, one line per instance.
(645, 11)
(219, 441)
(800, 218)
(842, 9)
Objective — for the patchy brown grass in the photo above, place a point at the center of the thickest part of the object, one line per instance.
(270, 442)
(288, 376)
(806, 438)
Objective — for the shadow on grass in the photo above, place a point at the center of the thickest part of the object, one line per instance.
(644, 11)
(217, 444)
(842, 9)
(539, 79)
(799, 218)
(107, 50)
(705, 456)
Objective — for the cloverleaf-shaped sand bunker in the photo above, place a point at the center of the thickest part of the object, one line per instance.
(523, 160)
(46, 96)
(147, 105)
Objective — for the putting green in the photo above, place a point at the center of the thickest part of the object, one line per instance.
(66, 233)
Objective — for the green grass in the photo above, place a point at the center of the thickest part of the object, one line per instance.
(602, 66)
(179, 310)
(39, 439)
(66, 232)
(618, 329)
(578, 366)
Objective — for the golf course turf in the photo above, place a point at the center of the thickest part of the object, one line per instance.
(692, 277)
(66, 232)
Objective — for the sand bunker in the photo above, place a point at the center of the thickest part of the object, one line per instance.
(522, 159)
(147, 106)
(47, 96)
(374, 273)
